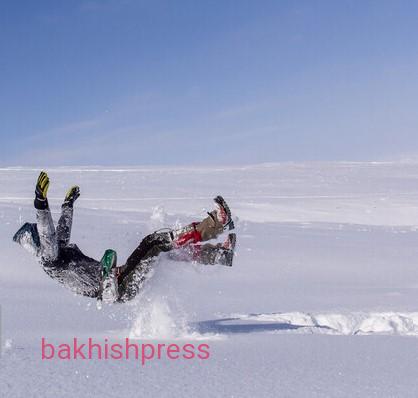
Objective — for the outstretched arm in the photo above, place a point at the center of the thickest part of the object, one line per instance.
(45, 225)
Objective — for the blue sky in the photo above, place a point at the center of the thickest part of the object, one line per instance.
(207, 82)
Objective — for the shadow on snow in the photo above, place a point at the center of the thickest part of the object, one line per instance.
(238, 325)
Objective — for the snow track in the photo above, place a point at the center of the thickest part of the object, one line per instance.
(357, 323)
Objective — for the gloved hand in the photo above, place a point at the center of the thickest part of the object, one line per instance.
(72, 195)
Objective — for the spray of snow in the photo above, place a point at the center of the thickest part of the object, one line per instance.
(155, 320)
(8, 344)
(158, 218)
(162, 318)
(159, 319)
(159, 313)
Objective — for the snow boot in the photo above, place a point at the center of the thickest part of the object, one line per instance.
(223, 213)
(227, 256)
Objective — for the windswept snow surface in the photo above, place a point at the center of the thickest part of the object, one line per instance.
(322, 300)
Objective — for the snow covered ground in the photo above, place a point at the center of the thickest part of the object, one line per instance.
(322, 300)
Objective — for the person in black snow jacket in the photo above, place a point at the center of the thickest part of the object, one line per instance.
(104, 279)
